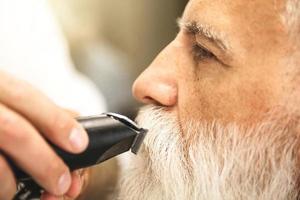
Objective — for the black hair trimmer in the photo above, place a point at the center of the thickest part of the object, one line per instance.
(109, 135)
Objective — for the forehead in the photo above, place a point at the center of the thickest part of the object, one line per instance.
(242, 9)
(241, 21)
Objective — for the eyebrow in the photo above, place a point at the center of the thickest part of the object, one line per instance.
(208, 32)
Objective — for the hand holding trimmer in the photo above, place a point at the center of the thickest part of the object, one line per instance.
(109, 135)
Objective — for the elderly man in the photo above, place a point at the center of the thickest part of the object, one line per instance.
(224, 119)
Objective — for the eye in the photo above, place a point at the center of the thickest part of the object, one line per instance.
(201, 53)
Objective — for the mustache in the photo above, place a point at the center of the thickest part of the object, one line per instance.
(276, 130)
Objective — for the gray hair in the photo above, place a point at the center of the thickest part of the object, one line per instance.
(291, 17)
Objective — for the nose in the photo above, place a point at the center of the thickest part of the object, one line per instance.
(157, 84)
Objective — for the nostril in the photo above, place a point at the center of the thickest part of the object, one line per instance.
(149, 100)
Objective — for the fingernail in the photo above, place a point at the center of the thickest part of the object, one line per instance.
(78, 138)
(64, 183)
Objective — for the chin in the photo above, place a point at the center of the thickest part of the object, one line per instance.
(212, 161)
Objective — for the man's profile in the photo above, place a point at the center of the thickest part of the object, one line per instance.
(224, 113)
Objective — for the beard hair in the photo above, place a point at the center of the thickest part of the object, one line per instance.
(212, 161)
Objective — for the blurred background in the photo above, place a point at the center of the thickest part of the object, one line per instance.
(113, 41)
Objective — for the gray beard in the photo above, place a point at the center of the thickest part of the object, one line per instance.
(212, 161)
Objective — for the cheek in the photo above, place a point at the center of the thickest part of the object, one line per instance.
(253, 97)
(242, 102)
(254, 100)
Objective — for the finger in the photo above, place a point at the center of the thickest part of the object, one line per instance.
(56, 124)
(7, 181)
(48, 196)
(76, 185)
(26, 147)
(78, 178)
(85, 175)
(71, 112)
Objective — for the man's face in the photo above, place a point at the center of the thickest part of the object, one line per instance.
(225, 64)
(218, 125)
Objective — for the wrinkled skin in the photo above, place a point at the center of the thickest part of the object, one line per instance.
(239, 84)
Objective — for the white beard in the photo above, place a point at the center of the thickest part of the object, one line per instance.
(211, 162)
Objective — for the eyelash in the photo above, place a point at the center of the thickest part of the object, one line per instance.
(201, 53)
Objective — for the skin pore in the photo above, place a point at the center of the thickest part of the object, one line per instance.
(221, 124)
(197, 78)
